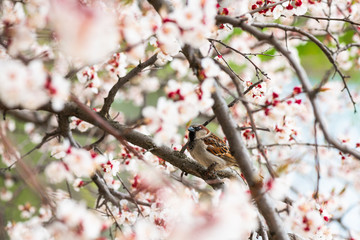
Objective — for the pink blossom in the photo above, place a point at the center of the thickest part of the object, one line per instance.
(5, 195)
(23, 85)
(27, 210)
(22, 39)
(75, 215)
(210, 67)
(81, 163)
(31, 230)
(57, 172)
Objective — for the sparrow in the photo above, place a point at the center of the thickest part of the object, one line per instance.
(208, 149)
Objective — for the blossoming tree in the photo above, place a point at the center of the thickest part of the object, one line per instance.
(96, 97)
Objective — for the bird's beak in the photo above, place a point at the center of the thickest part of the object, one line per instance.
(191, 129)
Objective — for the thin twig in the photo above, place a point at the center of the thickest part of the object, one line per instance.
(257, 128)
(233, 102)
(257, 69)
(68, 188)
(317, 163)
(115, 220)
(330, 19)
(46, 138)
(104, 190)
(227, 64)
(130, 194)
(293, 144)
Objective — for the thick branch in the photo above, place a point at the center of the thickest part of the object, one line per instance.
(176, 158)
(252, 121)
(161, 4)
(241, 154)
(104, 190)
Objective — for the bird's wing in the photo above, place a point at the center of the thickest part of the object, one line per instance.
(217, 146)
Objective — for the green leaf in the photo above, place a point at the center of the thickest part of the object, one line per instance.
(313, 59)
(347, 37)
(235, 32)
(265, 58)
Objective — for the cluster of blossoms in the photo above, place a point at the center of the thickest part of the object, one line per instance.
(164, 219)
(32, 85)
(74, 220)
(184, 101)
(309, 219)
(189, 24)
(73, 162)
(288, 8)
(157, 214)
(79, 124)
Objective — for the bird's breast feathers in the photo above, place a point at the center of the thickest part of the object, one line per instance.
(198, 150)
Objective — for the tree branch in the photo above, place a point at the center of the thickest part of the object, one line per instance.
(104, 190)
(303, 78)
(122, 80)
(257, 69)
(114, 128)
(330, 19)
(241, 154)
(252, 121)
(161, 4)
(328, 53)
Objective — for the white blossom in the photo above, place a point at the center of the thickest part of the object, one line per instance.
(84, 33)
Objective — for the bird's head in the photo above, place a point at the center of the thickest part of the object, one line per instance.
(197, 131)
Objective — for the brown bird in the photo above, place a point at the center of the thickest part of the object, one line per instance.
(208, 149)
